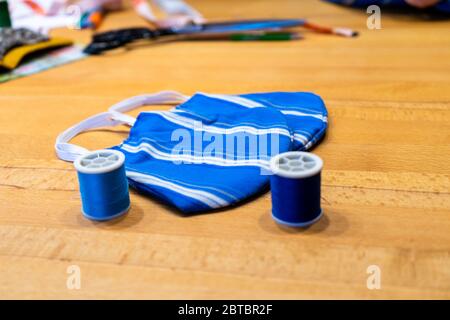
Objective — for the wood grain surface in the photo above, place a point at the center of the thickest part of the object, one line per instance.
(386, 180)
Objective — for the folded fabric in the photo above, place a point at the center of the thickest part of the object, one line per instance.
(11, 38)
(13, 58)
(45, 61)
(211, 151)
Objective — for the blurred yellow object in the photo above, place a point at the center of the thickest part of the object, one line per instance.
(13, 58)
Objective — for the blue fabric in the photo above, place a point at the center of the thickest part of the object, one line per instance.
(442, 6)
(199, 177)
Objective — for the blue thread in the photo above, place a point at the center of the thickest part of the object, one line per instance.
(103, 185)
(295, 187)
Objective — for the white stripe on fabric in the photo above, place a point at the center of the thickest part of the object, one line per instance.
(309, 144)
(207, 198)
(235, 99)
(304, 133)
(241, 123)
(155, 144)
(190, 123)
(302, 114)
(201, 187)
(300, 138)
(157, 154)
(286, 108)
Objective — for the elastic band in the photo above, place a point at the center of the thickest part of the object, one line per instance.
(163, 97)
(170, 8)
(69, 152)
(179, 7)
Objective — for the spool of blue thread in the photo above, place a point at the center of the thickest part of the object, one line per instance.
(103, 184)
(295, 187)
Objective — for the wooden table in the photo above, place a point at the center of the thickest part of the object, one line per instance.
(386, 183)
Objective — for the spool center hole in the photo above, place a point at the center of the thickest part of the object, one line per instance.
(99, 160)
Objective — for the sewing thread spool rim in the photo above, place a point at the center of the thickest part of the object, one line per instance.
(296, 165)
(300, 224)
(121, 213)
(88, 164)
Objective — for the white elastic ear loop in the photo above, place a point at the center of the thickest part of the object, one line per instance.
(170, 8)
(68, 151)
(114, 117)
(179, 7)
(163, 97)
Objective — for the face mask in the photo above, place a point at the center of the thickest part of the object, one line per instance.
(211, 151)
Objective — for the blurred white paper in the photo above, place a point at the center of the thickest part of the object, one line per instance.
(23, 16)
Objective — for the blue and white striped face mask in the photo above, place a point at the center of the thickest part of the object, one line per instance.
(210, 151)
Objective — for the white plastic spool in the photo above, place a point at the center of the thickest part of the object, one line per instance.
(296, 164)
(100, 161)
